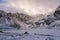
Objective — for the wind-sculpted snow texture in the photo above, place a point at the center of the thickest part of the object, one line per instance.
(20, 26)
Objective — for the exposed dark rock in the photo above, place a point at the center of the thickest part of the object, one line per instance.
(37, 23)
(1, 16)
(48, 21)
(57, 13)
(1, 31)
(49, 38)
(26, 33)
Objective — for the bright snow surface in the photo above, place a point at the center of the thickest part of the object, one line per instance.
(33, 34)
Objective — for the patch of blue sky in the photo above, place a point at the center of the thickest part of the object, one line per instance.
(2, 1)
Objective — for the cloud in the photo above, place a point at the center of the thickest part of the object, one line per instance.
(33, 7)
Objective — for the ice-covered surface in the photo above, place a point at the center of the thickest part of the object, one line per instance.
(33, 34)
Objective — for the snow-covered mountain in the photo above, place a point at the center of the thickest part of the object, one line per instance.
(13, 19)
(25, 21)
(30, 28)
(49, 21)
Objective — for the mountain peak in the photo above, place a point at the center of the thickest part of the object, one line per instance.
(58, 7)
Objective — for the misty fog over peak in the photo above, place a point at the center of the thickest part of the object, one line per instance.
(31, 7)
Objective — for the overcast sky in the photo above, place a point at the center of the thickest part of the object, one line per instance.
(31, 7)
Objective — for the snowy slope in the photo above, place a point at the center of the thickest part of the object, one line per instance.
(47, 28)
